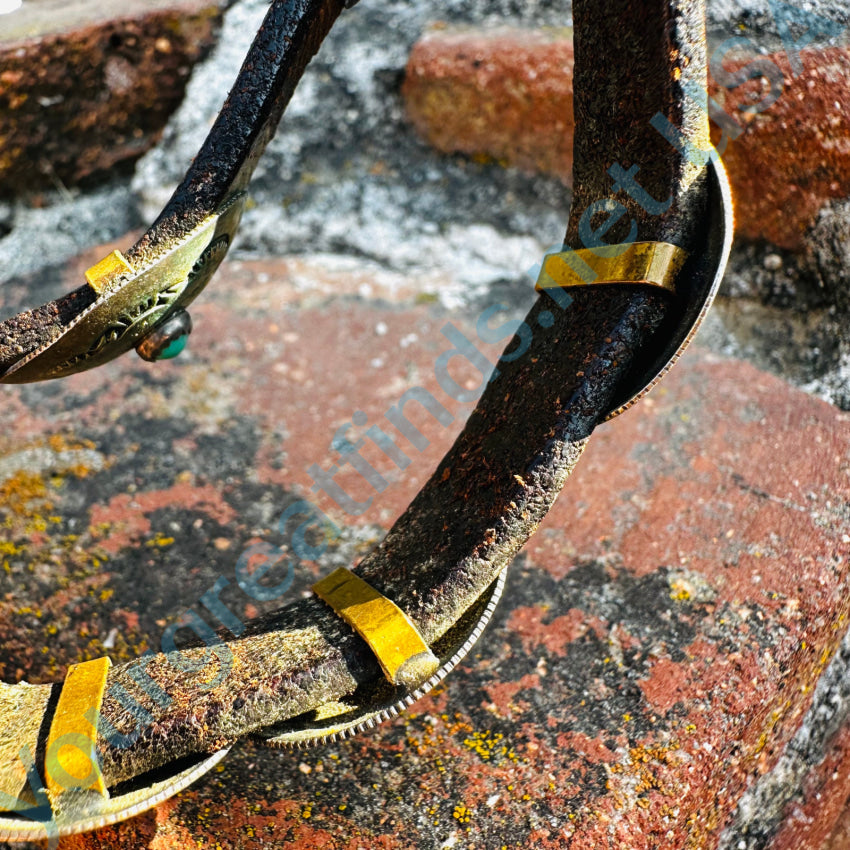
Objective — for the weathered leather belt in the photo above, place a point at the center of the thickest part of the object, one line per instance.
(651, 219)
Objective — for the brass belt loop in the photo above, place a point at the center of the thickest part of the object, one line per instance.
(71, 761)
(400, 649)
(102, 274)
(654, 263)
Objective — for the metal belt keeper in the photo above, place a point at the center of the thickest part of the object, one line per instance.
(401, 651)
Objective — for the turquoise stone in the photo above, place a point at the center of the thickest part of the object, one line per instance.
(166, 340)
(174, 348)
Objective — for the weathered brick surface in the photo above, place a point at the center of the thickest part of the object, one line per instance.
(504, 94)
(89, 86)
(659, 638)
(508, 95)
(840, 838)
(794, 156)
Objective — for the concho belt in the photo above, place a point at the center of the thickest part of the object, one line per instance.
(648, 237)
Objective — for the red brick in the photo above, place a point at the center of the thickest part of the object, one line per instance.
(795, 155)
(90, 87)
(840, 837)
(508, 96)
(504, 94)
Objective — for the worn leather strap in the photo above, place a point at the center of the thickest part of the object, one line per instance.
(574, 361)
(521, 441)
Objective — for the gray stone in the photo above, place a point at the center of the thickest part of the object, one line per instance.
(347, 174)
(823, 23)
(829, 247)
(42, 237)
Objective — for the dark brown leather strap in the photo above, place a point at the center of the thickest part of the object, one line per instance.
(521, 441)
(573, 360)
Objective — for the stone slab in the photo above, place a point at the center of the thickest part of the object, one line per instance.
(659, 640)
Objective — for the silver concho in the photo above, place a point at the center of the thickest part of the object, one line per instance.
(137, 303)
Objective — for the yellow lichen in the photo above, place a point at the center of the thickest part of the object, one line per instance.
(461, 813)
(160, 540)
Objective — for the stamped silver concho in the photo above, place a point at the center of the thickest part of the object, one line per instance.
(86, 811)
(696, 286)
(134, 303)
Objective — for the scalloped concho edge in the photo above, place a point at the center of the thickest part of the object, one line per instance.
(720, 224)
(314, 733)
(86, 812)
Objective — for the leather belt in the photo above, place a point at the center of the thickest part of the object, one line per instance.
(651, 215)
